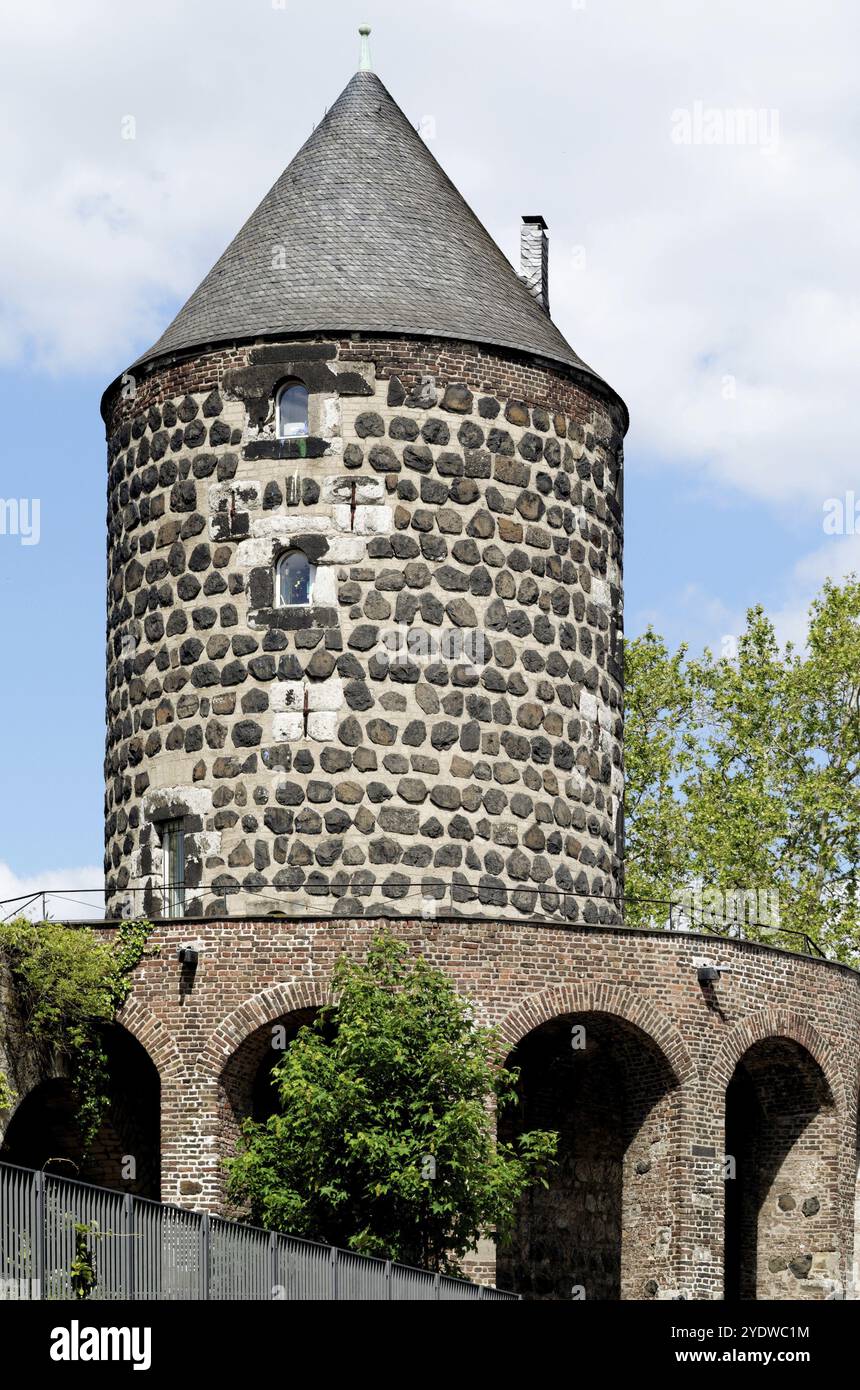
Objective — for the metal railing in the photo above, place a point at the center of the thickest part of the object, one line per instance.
(144, 1250)
(430, 899)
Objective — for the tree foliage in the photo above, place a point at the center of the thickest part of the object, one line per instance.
(385, 1139)
(744, 774)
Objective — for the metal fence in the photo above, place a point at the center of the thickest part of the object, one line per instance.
(695, 912)
(139, 1249)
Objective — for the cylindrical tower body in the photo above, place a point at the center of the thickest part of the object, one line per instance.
(373, 667)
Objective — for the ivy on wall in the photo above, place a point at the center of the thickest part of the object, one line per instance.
(7, 1095)
(68, 987)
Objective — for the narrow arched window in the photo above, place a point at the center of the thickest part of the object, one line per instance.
(292, 410)
(295, 579)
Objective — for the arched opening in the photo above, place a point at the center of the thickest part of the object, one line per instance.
(295, 579)
(291, 408)
(126, 1152)
(603, 1228)
(781, 1202)
(247, 1089)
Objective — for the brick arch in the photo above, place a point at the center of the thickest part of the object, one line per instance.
(138, 1021)
(156, 1040)
(777, 1023)
(261, 1009)
(43, 1123)
(603, 999)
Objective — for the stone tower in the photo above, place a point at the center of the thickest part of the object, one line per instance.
(364, 567)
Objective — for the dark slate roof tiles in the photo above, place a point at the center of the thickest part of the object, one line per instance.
(364, 231)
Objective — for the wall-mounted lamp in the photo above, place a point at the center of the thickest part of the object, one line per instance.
(188, 955)
(710, 974)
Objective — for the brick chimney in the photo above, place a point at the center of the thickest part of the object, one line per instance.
(534, 259)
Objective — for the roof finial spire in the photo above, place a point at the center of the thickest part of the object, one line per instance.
(365, 64)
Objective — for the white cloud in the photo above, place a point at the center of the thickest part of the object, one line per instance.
(701, 262)
(706, 620)
(835, 559)
(68, 901)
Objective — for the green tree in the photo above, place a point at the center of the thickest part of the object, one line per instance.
(744, 774)
(659, 751)
(385, 1139)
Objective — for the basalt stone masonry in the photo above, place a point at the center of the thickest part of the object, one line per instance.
(443, 723)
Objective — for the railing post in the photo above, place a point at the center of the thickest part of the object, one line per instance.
(334, 1280)
(273, 1262)
(38, 1236)
(204, 1254)
(437, 1287)
(128, 1244)
(388, 1279)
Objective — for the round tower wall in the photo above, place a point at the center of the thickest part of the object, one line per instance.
(440, 729)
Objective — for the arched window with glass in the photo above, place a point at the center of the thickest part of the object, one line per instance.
(292, 410)
(295, 579)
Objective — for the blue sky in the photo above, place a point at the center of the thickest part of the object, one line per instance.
(714, 284)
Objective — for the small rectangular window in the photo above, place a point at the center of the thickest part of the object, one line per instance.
(173, 853)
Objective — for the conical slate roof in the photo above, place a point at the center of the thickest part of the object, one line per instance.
(364, 231)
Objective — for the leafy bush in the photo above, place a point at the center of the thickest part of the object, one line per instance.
(385, 1141)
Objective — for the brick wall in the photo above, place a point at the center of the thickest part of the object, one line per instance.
(646, 1161)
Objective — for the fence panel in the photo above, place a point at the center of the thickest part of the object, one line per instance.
(460, 1290)
(303, 1270)
(168, 1252)
(412, 1285)
(139, 1249)
(240, 1263)
(361, 1277)
(20, 1232)
(83, 1223)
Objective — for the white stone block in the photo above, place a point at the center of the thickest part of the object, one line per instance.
(325, 585)
(252, 554)
(368, 491)
(270, 534)
(288, 696)
(330, 422)
(208, 842)
(197, 799)
(326, 695)
(284, 527)
(287, 728)
(343, 550)
(322, 726)
(587, 705)
(245, 493)
(373, 521)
